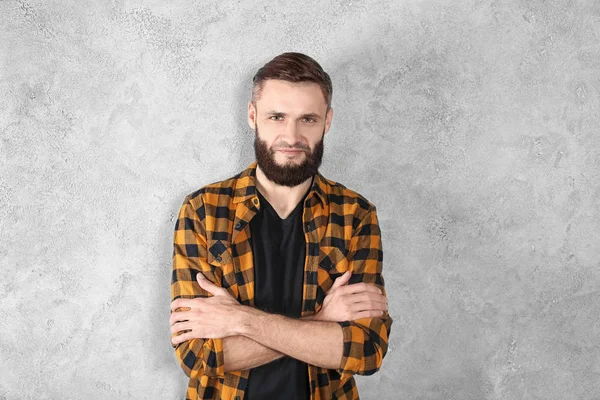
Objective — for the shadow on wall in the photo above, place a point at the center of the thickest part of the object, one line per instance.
(245, 138)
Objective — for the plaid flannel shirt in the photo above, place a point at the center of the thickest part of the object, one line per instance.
(212, 236)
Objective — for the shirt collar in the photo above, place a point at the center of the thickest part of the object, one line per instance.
(245, 186)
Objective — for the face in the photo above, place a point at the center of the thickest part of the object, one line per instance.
(290, 121)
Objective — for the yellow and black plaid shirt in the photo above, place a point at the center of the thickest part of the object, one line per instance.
(212, 236)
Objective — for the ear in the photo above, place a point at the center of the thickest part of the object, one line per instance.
(251, 115)
(328, 118)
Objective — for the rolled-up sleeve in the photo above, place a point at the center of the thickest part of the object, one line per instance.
(365, 339)
(197, 356)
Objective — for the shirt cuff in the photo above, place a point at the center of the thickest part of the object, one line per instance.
(351, 359)
(212, 358)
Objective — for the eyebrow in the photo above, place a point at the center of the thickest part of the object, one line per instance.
(282, 114)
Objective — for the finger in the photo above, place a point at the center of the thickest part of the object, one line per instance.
(361, 287)
(367, 296)
(340, 281)
(179, 317)
(182, 338)
(209, 286)
(206, 284)
(367, 314)
(181, 326)
(368, 306)
(181, 302)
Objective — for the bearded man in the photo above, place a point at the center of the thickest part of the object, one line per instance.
(277, 283)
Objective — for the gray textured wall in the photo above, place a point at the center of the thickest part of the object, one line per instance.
(472, 125)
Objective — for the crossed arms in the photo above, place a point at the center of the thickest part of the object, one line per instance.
(215, 334)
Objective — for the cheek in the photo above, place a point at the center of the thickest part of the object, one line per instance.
(267, 134)
(314, 140)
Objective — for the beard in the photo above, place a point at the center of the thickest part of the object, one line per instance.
(291, 174)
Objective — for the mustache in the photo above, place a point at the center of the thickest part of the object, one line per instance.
(286, 146)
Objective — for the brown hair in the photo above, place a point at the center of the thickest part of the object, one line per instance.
(293, 67)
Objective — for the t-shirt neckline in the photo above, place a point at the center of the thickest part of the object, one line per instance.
(272, 210)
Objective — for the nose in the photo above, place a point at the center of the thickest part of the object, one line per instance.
(292, 133)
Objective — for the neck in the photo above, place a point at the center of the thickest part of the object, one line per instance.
(283, 198)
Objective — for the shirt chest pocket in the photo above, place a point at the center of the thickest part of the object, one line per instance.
(220, 259)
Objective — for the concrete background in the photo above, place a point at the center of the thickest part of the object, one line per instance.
(473, 126)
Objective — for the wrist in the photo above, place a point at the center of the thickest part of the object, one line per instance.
(247, 319)
(312, 317)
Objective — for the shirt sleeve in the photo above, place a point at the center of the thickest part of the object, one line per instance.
(196, 356)
(365, 339)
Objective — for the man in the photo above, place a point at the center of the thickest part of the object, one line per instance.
(277, 287)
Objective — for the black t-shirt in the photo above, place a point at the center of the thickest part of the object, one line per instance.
(279, 250)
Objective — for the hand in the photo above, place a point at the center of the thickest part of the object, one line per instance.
(351, 302)
(205, 318)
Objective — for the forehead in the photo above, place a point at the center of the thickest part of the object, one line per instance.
(277, 93)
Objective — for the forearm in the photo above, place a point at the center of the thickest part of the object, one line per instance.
(314, 342)
(241, 353)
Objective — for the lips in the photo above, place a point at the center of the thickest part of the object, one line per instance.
(291, 151)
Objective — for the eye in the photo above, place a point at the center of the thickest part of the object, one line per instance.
(276, 117)
(308, 120)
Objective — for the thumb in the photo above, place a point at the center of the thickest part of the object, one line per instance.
(340, 281)
(206, 284)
